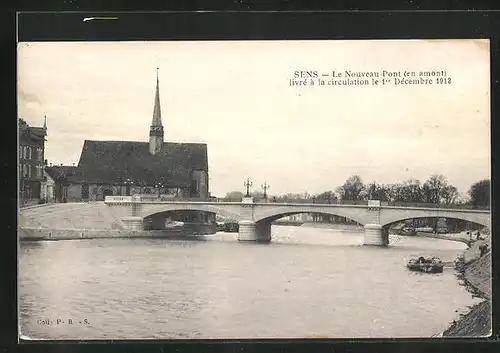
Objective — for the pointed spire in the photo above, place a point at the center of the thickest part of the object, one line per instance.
(156, 129)
(157, 109)
(45, 123)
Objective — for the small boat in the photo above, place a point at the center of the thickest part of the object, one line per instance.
(231, 227)
(220, 226)
(427, 265)
(173, 224)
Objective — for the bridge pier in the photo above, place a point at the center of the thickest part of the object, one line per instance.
(376, 235)
(133, 223)
(251, 231)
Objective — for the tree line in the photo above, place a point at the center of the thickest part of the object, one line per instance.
(435, 190)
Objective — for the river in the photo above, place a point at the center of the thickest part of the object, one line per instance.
(309, 282)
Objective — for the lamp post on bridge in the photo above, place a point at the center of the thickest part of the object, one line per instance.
(128, 183)
(373, 190)
(248, 183)
(265, 187)
(159, 185)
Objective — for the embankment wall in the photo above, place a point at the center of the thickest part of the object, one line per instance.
(92, 215)
(26, 233)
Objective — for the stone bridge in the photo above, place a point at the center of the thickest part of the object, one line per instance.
(255, 219)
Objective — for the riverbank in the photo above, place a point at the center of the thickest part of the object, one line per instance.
(474, 272)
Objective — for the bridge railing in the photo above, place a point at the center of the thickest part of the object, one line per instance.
(154, 198)
(163, 198)
(365, 202)
(434, 205)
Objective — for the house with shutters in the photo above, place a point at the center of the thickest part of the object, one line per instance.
(153, 168)
(31, 161)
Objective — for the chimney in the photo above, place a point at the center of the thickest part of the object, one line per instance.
(51, 164)
(46, 163)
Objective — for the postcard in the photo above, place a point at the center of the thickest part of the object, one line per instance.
(254, 189)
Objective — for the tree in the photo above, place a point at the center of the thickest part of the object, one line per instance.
(409, 191)
(352, 189)
(433, 188)
(449, 194)
(480, 193)
(234, 196)
(257, 195)
(391, 192)
(326, 196)
(290, 197)
(376, 191)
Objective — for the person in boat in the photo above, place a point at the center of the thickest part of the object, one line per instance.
(421, 260)
(478, 236)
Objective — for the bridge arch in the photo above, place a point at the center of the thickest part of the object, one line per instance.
(394, 216)
(356, 214)
(150, 210)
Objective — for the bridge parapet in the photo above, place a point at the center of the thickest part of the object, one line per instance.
(256, 217)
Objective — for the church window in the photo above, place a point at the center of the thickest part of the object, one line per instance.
(28, 152)
(29, 170)
(85, 191)
(25, 170)
(194, 187)
(39, 151)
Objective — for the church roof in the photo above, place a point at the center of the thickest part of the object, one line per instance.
(108, 162)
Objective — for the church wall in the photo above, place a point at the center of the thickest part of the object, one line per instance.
(201, 178)
(96, 191)
(74, 193)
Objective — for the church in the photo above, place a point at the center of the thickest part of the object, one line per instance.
(153, 169)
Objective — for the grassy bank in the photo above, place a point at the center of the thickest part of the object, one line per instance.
(474, 272)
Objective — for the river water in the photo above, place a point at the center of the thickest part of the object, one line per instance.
(309, 282)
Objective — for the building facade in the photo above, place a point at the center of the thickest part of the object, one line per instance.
(152, 169)
(31, 161)
(47, 192)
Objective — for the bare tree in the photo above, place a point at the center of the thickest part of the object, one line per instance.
(352, 189)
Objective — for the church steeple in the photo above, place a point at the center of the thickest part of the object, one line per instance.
(45, 123)
(156, 129)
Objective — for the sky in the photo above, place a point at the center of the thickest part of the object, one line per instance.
(236, 97)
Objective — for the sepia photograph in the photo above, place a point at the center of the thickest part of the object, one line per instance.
(254, 189)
